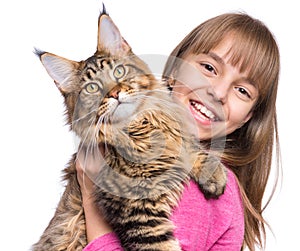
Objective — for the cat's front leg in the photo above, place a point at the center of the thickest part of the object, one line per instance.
(211, 175)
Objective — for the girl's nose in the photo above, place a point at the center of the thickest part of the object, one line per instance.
(219, 91)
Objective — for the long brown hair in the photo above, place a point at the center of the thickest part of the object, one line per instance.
(248, 150)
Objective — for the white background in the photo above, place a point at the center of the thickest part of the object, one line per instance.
(35, 144)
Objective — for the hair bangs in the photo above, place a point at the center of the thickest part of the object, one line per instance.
(253, 55)
(253, 49)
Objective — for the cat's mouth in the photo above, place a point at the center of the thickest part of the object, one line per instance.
(204, 112)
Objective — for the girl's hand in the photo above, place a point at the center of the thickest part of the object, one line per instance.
(96, 225)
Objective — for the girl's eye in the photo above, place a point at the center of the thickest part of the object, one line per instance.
(92, 88)
(119, 71)
(208, 68)
(243, 91)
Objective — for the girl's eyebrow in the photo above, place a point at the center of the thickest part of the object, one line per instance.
(216, 57)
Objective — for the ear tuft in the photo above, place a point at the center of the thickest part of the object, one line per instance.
(104, 12)
(38, 52)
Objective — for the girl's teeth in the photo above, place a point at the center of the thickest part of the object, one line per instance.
(203, 110)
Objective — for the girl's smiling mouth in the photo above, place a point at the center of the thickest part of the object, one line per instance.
(202, 113)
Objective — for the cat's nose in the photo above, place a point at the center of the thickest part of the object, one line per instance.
(114, 93)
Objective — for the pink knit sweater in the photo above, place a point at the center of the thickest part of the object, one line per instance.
(201, 224)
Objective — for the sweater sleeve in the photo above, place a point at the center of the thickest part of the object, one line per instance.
(214, 224)
(232, 237)
(107, 242)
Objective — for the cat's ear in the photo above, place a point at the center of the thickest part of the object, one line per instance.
(110, 38)
(60, 69)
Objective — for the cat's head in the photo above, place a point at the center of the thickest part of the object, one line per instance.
(104, 89)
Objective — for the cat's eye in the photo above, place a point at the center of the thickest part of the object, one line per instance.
(119, 71)
(92, 88)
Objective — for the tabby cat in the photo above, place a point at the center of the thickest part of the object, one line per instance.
(113, 99)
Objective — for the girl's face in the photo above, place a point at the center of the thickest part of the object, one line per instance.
(219, 97)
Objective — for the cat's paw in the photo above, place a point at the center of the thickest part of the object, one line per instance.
(212, 180)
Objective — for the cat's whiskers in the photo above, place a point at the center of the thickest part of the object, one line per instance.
(84, 116)
(86, 140)
(103, 121)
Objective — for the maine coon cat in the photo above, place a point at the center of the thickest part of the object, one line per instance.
(113, 99)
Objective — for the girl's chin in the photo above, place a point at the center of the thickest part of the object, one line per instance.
(212, 131)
